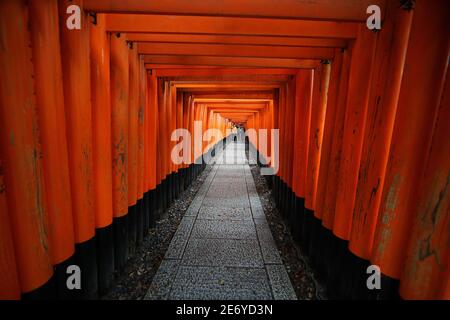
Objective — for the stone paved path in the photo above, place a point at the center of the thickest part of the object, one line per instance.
(223, 248)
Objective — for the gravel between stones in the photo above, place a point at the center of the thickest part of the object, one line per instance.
(302, 277)
(134, 282)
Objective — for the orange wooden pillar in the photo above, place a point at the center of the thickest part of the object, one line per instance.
(381, 112)
(318, 112)
(256, 126)
(357, 100)
(176, 121)
(141, 199)
(337, 248)
(312, 161)
(204, 121)
(133, 114)
(290, 121)
(303, 102)
(167, 143)
(198, 143)
(171, 123)
(119, 127)
(146, 178)
(102, 158)
(170, 102)
(9, 278)
(402, 202)
(152, 181)
(323, 236)
(385, 86)
(197, 134)
(209, 139)
(282, 126)
(426, 273)
(188, 123)
(279, 182)
(327, 136)
(77, 99)
(21, 155)
(25, 246)
(163, 143)
(180, 125)
(270, 157)
(266, 126)
(361, 68)
(185, 125)
(158, 141)
(50, 105)
(332, 180)
(287, 202)
(276, 121)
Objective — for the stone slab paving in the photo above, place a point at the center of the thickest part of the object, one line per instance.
(223, 248)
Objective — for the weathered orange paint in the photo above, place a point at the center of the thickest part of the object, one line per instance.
(384, 92)
(328, 205)
(20, 150)
(427, 270)
(318, 112)
(133, 126)
(173, 125)
(159, 169)
(77, 101)
(141, 128)
(163, 141)
(304, 86)
(101, 122)
(180, 116)
(9, 279)
(152, 83)
(417, 106)
(281, 126)
(147, 162)
(328, 137)
(290, 120)
(52, 129)
(119, 122)
(188, 106)
(357, 100)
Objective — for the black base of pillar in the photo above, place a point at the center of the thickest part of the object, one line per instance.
(105, 258)
(120, 242)
(86, 259)
(140, 220)
(132, 229)
(45, 292)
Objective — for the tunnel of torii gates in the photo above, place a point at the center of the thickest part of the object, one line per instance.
(86, 117)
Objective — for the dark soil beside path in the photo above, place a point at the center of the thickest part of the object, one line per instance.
(133, 284)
